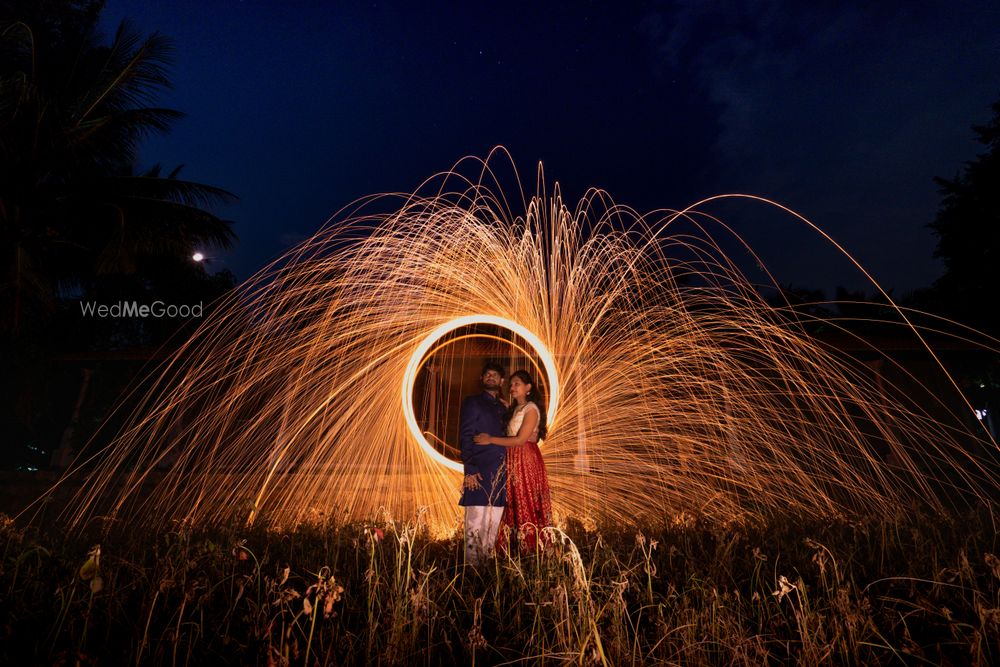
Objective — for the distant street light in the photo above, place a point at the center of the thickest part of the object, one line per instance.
(198, 257)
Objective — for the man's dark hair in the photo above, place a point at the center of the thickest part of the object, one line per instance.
(493, 366)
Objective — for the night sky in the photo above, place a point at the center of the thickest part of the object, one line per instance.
(845, 114)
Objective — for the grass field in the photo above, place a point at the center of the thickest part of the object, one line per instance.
(920, 590)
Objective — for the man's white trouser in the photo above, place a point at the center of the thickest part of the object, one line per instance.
(482, 522)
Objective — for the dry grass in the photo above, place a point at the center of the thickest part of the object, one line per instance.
(924, 591)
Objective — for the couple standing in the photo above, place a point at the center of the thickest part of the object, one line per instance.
(506, 488)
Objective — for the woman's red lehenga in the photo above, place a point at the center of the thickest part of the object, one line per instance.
(529, 504)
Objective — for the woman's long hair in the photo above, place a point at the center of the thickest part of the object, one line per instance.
(535, 396)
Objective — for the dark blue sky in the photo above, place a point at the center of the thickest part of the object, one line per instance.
(845, 114)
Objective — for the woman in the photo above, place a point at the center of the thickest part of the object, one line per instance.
(529, 505)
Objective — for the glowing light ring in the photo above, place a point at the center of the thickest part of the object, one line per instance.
(409, 378)
(428, 355)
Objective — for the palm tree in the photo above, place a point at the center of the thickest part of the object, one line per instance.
(73, 113)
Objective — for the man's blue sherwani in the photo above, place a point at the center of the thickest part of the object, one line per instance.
(483, 413)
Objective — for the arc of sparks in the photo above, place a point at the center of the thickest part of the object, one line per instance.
(673, 384)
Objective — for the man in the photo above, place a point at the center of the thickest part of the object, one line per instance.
(484, 490)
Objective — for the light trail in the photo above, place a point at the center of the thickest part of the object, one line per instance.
(419, 354)
(673, 385)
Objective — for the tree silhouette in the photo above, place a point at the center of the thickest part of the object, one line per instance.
(79, 219)
(968, 230)
(73, 113)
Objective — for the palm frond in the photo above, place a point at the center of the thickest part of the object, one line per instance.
(133, 73)
(17, 66)
(115, 139)
(172, 220)
(135, 123)
(174, 190)
(17, 47)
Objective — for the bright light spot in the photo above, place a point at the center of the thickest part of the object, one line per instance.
(198, 257)
(411, 375)
(981, 414)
